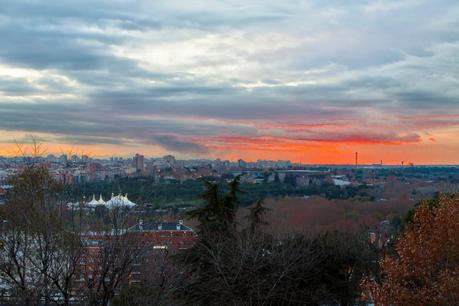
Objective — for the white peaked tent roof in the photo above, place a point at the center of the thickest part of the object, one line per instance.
(101, 200)
(118, 201)
(93, 202)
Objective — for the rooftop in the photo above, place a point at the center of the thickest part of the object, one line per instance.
(159, 226)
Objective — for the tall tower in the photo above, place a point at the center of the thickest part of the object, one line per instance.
(356, 159)
(138, 162)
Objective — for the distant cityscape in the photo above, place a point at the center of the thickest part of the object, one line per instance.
(75, 169)
(79, 169)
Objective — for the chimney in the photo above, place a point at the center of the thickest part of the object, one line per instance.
(141, 225)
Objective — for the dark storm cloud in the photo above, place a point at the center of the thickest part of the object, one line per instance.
(89, 127)
(222, 103)
(172, 143)
(82, 61)
(425, 99)
(82, 140)
(363, 137)
(27, 139)
(28, 47)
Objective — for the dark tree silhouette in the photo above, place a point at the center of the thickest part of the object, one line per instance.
(249, 267)
(256, 217)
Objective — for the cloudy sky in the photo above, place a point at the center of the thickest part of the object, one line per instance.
(310, 81)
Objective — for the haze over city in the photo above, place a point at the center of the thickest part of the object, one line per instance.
(306, 81)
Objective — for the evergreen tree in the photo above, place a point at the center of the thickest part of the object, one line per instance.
(228, 267)
(217, 216)
(256, 216)
(216, 229)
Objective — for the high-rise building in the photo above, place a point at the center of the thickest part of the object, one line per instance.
(63, 159)
(85, 158)
(75, 159)
(138, 162)
(51, 158)
(242, 163)
(169, 159)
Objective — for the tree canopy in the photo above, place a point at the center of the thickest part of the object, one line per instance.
(425, 268)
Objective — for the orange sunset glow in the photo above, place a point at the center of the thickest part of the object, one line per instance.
(234, 82)
(430, 149)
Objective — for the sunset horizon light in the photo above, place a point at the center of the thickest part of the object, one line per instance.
(312, 82)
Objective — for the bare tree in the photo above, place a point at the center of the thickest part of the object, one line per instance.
(40, 257)
(157, 279)
(112, 257)
(19, 281)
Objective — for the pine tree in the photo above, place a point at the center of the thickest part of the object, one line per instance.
(256, 217)
(217, 216)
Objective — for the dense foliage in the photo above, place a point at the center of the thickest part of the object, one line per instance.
(230, 265)
(187, 193)
(425, 268)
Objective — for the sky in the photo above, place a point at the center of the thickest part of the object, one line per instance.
(308, 81)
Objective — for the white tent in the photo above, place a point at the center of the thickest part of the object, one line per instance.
(93, 202)
(119, 201)
(101, 200)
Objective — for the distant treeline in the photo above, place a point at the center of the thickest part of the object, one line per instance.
(187, 193)
(417, 172)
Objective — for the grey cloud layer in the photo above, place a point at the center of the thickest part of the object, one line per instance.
(143, 72)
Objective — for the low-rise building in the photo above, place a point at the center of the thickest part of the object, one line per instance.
(152, 240)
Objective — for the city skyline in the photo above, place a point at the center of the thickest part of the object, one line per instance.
(43, 153)
(306, 81)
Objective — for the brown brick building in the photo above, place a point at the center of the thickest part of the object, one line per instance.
(152, 241)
